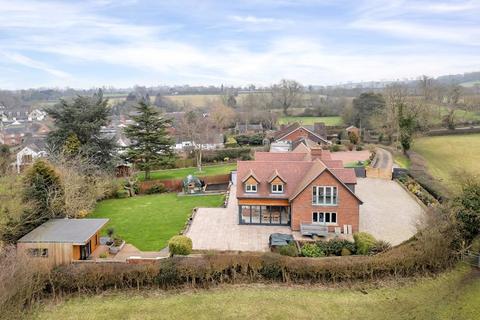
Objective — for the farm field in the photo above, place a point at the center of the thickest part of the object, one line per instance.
(149, 221)
(453, 295)
(329, 121)
(182, 173)
(449, 156)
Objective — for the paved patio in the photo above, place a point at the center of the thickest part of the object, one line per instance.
(389, 213)
(218, 229)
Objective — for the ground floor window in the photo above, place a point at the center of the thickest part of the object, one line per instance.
(277, 215)
(324, 217)
(38, 252)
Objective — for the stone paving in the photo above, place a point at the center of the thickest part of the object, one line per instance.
(389, 212)
(218, 229)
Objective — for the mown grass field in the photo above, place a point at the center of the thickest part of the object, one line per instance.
(453, 295)
(149, 221)
(448, 157)
(329, 121)
(182, 173)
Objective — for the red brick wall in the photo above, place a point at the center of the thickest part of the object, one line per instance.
(347, 208)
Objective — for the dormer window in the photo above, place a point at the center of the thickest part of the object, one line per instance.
(250, 188)
(277, 188)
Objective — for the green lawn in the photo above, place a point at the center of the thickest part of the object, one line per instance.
(454, 295)
(402, 160)
(448, 156)
(329, 121)
(181, 173)
(148, 222)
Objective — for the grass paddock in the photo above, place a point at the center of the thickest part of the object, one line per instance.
(452, 295)
(449, 157)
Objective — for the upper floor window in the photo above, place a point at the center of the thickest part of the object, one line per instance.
(277, 188)
(250, 187)
(325, 195)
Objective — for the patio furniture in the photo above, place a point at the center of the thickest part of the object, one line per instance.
(313, 230)
(279, 239)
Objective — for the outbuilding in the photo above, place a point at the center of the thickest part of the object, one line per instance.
(61, 241)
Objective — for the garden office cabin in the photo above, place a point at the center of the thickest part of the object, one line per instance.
(61, 241)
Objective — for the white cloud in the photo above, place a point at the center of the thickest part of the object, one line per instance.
(26, 61)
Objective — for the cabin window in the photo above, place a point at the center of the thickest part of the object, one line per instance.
(38, 252)
(250, 188)
(277, 188)
(324, 217)
(325, 195)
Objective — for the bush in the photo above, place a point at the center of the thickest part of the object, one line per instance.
(121, 194)
(345, 252)
(157, 188)
(335, 246)
(364, 242)
(289, 250)
(380, 246)
(103, 255)
(334, 148)
(255, 139)
(312, 250)
(180, 245)
(359, 147)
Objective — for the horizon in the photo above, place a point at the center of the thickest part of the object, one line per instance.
(120, 44)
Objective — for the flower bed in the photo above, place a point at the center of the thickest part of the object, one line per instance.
(418, 191)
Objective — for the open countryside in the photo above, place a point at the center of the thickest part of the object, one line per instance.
(454, 295)
(450, 158)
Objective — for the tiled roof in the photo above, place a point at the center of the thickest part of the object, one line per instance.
(280, 156)
(296, 174)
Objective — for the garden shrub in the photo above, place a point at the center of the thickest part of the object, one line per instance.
(156, 188)
(180, 245)
(364, 242)
(288, 250)
(345, 252)
(334, 148)
(255, 139)
(359, 147)
(312, 250)
(121, 194)
(271, 266)
(335, 246)
(380, 246)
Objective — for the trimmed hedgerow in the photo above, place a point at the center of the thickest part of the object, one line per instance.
(288, 250)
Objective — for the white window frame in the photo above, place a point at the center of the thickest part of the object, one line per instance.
(277, 185)
(330, 215)
(316, 195)
(250, 188)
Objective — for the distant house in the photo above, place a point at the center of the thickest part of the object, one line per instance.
(212, 142)
(289, 133)
(37, 115)
(304, 189)
(27, 155)
(248, 128)
(61, 241)
(13, 135)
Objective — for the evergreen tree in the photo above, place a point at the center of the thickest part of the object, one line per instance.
(151, 145)
(43, 192)
(78, 124)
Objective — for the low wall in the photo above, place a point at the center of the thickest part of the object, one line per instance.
(176, 185)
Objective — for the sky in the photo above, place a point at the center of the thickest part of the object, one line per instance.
(121, 43)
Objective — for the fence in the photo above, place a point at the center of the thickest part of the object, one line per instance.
(176, 185)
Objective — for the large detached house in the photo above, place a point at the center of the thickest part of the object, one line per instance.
(303, 188)
(289, 133)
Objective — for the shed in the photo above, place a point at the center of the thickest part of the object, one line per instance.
(61, 241)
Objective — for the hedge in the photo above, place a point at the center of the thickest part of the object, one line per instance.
(410, 259)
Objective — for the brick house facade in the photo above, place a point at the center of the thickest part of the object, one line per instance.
(296, 189)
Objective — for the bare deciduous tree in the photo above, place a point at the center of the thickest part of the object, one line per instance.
(287, 93)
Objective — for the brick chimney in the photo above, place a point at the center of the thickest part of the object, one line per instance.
(316, 152)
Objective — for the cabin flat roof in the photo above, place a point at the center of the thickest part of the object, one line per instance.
(74, 231)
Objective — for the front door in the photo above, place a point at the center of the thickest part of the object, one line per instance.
(85, 251)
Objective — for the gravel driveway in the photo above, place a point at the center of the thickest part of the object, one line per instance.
(389, 212)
